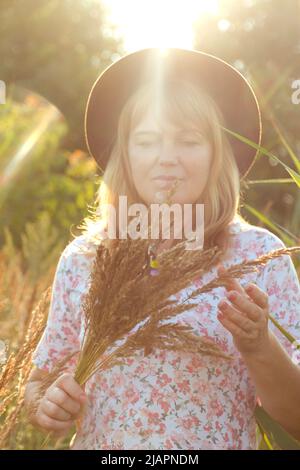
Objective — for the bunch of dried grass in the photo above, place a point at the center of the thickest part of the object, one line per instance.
(123, 297)
(16, 370)
(24, 306)
(114, 305)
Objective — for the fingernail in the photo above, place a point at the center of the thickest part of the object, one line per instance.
(231, 295)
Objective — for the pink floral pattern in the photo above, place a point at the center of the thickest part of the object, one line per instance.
(171, 400)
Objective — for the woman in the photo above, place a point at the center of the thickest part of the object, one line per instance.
(148, 116)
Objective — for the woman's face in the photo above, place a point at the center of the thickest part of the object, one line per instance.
(158, 149)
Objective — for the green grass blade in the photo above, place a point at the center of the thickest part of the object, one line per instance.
(265, 439)
(293, 173)
(274, 431)
(281, 231)
(288, 336)
(271, 181)
(286, 145)
(264, 102)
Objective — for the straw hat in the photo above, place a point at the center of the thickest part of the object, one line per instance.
(227, 86)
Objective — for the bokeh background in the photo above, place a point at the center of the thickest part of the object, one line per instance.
(51, 53)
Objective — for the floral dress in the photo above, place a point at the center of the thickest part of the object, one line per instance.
(171, 400)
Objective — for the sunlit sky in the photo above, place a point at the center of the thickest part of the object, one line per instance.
(158, 23)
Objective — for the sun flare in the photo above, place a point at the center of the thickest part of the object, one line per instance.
(158, 23)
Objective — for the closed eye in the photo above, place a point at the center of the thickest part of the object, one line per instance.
(144, 144)
(189, 142)
(185, 142)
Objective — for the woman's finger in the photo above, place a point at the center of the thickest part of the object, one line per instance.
(237, 317)
(62, 399)
(52, 424)
(232, 327)
(55, 411)
(70, 386)
(242, 303)
(260, 297)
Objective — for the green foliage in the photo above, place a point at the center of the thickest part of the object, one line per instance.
(48, 186)
(57, 49)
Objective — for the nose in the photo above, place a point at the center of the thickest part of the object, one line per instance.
(168, 154)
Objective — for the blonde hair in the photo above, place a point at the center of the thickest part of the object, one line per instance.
(186, 105)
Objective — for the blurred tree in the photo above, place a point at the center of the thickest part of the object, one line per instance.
(57, 48)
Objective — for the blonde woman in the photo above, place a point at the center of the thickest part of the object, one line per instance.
(150, 118)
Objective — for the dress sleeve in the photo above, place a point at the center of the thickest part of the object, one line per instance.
(280, 281)
(62, 332)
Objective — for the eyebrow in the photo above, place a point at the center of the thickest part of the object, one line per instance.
(145, 132)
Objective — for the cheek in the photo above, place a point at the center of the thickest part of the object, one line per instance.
(198, 167)
(140, 165)
(140, 170)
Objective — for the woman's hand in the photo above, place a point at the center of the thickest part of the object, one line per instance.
(245, 315)
(61, 405)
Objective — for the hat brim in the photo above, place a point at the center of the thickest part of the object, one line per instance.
(227, 86)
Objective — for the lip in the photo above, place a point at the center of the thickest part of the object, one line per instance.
(164, 182)
(166, 178)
